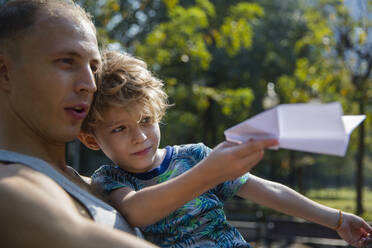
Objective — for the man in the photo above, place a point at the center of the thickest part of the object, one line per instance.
(48, 54)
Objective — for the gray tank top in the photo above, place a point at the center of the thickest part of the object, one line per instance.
(101, 212)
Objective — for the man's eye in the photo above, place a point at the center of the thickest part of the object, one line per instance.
(118, 129)
(68, 61)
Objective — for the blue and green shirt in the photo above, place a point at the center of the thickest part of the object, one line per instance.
(200, 222)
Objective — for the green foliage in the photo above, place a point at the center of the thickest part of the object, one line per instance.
(338, 67)
(189, 32)
(228, 100)
(234, 33)
(170, 3)
(178, 40)
(184, 47)
(342, 198)
(217, 57)
(326, 70)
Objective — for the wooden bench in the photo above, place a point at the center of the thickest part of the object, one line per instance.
(289, 232)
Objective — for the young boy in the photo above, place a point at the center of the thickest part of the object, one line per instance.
(151, 186)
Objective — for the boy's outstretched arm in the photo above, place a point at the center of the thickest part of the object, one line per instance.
(226, 162)
(279, 197)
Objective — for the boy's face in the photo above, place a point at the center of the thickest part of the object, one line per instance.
(129, 139)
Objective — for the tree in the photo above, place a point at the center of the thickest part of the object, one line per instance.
(217, 58)
(182, 50)
(338, 67)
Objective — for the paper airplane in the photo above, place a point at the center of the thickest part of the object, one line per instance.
(308, 127)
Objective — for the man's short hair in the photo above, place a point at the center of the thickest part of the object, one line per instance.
(18, 16)
(121, 81)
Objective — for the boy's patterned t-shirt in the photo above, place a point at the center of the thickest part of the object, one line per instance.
(200, 222)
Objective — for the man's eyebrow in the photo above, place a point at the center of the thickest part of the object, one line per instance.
(70, 53)
(78, 55)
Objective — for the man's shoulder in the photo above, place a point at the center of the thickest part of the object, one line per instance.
(17, 172)
(21, 181)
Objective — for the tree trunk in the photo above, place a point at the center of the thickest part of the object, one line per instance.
(300, 181)
(292, 167)
(359, 161)
(209, 125)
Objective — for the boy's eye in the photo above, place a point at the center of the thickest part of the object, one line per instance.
(118, 129)
(146, 120)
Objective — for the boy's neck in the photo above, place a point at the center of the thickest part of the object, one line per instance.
(160, 156)
(161, 153)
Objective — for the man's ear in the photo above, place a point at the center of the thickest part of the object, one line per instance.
(89, 141)
(4, 74)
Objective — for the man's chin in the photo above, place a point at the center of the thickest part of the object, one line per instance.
(69, 136)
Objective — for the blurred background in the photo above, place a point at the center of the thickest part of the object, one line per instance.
(225, 61)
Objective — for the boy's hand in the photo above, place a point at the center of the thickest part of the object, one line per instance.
(355, 231)
(229, 160)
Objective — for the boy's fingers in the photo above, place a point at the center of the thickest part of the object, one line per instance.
(267, 143)
(367, 228)
(250, 161)
(228, 144)
(248, 148)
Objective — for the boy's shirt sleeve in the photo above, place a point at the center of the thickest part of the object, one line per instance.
(109, 178)
(228, 189)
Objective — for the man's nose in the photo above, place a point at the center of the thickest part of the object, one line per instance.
(86, 82)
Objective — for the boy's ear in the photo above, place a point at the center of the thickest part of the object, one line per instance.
(89, 141)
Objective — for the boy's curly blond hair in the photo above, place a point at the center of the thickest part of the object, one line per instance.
(122, 80)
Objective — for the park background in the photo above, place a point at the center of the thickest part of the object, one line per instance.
(225, 61)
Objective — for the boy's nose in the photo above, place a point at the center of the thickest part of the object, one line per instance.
(139, 136)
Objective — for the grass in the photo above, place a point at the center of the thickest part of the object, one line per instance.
(340, 198)
(344, 199)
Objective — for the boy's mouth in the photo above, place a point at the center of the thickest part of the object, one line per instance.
(142, 152)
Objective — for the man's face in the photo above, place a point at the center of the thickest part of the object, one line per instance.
(129, 139)
(52, 81)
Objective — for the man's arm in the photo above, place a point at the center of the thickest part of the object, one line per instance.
(226, 162)
(36, 212)
(285, 200)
